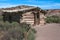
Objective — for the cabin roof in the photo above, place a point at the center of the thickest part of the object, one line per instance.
(16, 10)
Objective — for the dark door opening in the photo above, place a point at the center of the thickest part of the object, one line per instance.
(36, 18)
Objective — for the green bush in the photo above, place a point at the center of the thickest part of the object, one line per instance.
(15, 31)
(1, 18)
(33, 30)
(31, 35)
(52, 19)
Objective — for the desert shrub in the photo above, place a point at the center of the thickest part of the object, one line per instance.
(15, 31)
(1, 18)
(31, 35)
(13, 35)
(33, 30)
(25, 26)
(52, 19)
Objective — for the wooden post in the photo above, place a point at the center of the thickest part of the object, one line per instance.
(35, 18)
(38, 19)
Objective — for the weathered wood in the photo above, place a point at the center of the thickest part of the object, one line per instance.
(28, 15)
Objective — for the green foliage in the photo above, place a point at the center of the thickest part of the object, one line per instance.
(1, 18)
(25, 27)
(15, 31)
(33, 30)
(52, 19)
(31, 35)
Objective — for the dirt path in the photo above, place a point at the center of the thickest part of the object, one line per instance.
(48, 32)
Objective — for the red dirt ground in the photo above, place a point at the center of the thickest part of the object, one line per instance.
(48, 32)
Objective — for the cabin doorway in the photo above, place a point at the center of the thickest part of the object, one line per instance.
(36, 18)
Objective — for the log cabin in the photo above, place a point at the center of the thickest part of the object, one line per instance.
(30, 15)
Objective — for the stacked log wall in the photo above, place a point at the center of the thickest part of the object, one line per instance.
(28, 18)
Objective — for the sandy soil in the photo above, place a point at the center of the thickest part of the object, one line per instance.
(48, 32)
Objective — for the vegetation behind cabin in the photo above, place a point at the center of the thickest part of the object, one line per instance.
(53, 19)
